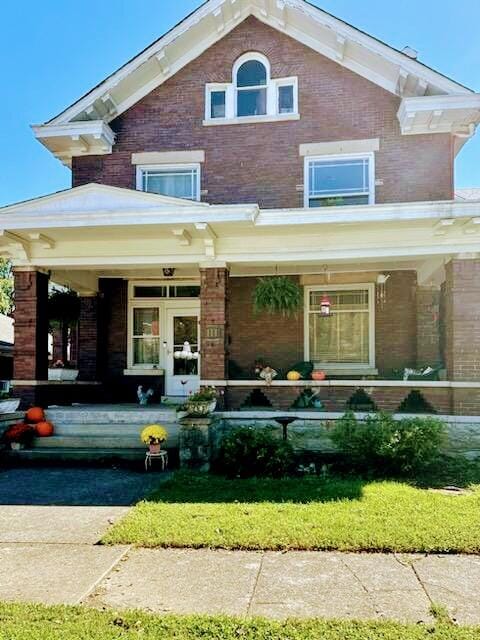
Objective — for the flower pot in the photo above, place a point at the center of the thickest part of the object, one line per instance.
(201, 408)
(16, 446)
(181, 414)
(63, 375)
(9, 406)
(154, 448)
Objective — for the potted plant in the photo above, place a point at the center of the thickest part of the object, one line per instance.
(154, 436)
(62, 373)
(277, 295)
(19, 435)
(7, 404)
(202, 403)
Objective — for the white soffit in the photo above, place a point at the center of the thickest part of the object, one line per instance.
(458, 115)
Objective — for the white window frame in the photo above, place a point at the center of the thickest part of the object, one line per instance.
(342, 366)
(287, 82)
(162, 304)
(195, 166)
(231, 90)
(332, 158)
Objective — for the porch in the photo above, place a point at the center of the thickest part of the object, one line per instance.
(154, 272)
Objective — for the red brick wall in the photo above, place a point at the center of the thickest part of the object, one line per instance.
(428, 326)
(113, 328)
(260, 162)
(276, 340)
(88, 338)
(462, 320)
(31, 325)
(395, 323)
(280, 341)
(336, 398)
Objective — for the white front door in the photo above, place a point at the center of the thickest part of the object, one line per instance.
(182, 376)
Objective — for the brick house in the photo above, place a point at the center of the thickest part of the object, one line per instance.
(257, 139)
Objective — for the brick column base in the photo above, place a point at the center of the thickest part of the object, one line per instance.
(213, 323)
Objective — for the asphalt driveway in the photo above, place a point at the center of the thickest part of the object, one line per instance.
(75, 486)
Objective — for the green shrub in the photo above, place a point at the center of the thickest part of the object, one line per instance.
(382, 444)
(249, 452)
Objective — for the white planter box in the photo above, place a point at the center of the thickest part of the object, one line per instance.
(63, 375)
(9, 406)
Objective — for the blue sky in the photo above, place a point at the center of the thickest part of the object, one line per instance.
(54, 51)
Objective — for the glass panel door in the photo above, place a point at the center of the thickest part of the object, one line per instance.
(183, 359)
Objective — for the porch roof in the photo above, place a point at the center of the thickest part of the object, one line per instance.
(99, 228)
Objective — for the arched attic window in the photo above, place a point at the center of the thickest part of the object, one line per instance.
(251, 83)
(252, 93)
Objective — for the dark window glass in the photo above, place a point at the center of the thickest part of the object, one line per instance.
(185, 291)
(252, 102)
(217, 104)
(285, 99)
(252, 74)
(150, 292)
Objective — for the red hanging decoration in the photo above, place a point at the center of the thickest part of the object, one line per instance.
(325, 306)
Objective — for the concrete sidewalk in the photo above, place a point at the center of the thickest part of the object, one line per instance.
(279, 585)
(50, 554)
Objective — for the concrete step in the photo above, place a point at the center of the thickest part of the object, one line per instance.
(110, 429)
(45, 454)
(87, 442)
(128, 415)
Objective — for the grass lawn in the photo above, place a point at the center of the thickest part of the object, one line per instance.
(34, 622)
(302, 513)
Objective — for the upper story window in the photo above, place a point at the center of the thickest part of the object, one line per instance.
(339, 180)
(252, 89)
(252, 95)
(177, 181)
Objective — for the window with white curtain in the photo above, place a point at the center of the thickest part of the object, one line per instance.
(345, 338)
(146, 336)
(177, 181)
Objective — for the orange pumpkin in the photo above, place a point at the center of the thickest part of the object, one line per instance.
(318, 375)
(44, 429)
(35, 414)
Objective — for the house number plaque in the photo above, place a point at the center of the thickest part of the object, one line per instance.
(215, 331)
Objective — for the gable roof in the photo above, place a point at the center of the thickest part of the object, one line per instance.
(350, 47)
(318, 29)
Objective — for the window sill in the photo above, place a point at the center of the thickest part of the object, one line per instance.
(251, 119)
(143, 372)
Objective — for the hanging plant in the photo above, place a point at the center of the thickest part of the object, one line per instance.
(63, 308)
(277, 295)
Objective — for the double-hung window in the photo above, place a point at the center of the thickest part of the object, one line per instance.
(346, 338)
(177, 181)
(146, 337)
(339, 180)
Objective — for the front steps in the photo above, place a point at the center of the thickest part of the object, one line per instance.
(99, 432)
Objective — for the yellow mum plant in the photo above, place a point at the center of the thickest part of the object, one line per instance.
(154, 434)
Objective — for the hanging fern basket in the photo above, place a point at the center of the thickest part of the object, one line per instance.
(277, 295)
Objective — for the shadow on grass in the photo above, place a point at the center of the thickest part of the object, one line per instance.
(189, 487)
(208, 488)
